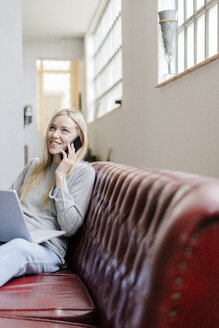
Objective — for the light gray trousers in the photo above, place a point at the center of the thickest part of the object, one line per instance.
(19, 257)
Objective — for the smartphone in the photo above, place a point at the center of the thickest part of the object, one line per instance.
(77, 145)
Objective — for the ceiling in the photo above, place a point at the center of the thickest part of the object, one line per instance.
(45, 19)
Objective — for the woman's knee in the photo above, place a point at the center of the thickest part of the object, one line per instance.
(14, 256)
(21, 250)
(19, 244)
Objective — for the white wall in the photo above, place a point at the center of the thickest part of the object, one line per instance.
(11, 132)
(33, 50)
(174, 127)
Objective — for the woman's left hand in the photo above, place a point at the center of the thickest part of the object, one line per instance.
(65, 165)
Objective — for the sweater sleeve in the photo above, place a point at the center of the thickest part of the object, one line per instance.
(17, 184)
(72, 199)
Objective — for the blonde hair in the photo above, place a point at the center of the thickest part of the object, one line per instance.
(42, 167)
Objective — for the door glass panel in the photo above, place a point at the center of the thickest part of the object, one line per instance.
(189, 8)
(181, 52)
(213, 33)
(199, 4)
(180, 12)
(190, 45)
(200, 38)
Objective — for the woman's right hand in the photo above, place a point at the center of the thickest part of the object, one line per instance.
(65, 165)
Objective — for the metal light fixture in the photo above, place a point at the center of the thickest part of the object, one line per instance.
(28, 114)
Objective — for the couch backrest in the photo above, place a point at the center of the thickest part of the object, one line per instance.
(148, 250)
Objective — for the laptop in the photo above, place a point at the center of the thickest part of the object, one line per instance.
(12, 223)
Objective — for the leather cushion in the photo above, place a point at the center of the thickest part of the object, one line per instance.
(51, 296)
(34, 323)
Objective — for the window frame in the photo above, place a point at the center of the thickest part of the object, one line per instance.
(179, 72)
(193, 20)
(102, 92)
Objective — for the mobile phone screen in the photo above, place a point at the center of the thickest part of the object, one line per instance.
(77, 145)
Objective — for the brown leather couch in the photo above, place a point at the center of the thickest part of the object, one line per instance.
(146, 257)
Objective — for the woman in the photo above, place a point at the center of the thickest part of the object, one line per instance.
(54, 195)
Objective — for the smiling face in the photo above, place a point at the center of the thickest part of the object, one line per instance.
(61, 131)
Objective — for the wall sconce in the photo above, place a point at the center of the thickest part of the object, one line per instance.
(28, 114)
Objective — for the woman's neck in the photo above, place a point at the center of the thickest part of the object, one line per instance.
(56, 159)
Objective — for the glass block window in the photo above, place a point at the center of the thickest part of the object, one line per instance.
(197, 34)
(104, 62)
(58, 88)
